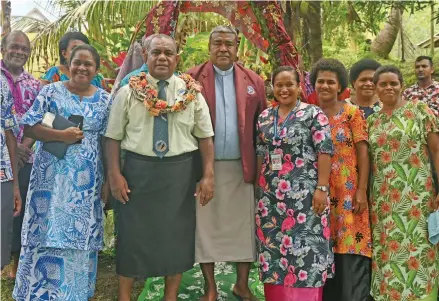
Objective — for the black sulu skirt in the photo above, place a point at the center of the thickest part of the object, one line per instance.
(156, 227)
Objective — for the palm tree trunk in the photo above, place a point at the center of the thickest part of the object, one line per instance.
(6, 16)
(315, 31)
(384, 41)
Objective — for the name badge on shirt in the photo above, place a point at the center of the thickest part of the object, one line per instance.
(276, 161)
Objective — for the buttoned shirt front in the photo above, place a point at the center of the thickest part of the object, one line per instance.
(131, 123)
(8, 122)
(226, 122)
(429, 95)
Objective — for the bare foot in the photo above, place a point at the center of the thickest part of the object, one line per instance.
(244, 293)
(209, 296)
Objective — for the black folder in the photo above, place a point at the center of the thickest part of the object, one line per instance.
(57, 148)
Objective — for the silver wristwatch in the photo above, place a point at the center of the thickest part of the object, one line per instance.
(323, 188)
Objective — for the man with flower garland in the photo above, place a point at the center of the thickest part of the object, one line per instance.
(226, 226)
(160, 120)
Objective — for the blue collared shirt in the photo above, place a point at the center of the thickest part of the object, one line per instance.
(226, 123)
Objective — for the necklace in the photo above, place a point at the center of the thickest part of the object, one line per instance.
(148, 94)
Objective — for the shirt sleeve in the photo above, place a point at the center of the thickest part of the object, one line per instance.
(321, 132)
(106, 98)
(429, 122)
(358, 125)
(8, 120)
(203, 124)
(118, 117)
(40, 106)
(261, 146)
(51, 75)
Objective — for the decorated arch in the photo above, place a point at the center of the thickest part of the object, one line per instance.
(259, 21)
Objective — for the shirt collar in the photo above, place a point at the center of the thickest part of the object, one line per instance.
(433, 84)
(223, 72)
(23, 75)
(155, 81)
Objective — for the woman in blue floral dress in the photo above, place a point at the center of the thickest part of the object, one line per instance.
(63, 222)
(292, 221)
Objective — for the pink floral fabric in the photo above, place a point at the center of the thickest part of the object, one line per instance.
(293, 242)
(24, 91)
(429, 95)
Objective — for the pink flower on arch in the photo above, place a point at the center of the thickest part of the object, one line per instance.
(300, 162)
(301, 218)
(318, 136)
(287, 242)
(288, 223)
(284, 186)
(303, 275)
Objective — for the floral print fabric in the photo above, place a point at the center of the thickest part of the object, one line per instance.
(294, 242)
(405, 265)
(350, 232)
(8, 122)
(429, 95)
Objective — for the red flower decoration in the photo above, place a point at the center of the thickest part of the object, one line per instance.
(118, 60)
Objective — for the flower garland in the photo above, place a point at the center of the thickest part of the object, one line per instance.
(146, 93)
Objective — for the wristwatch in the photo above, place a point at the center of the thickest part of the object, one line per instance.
(323, 188)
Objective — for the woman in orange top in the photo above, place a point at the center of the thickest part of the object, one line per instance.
(350, 227)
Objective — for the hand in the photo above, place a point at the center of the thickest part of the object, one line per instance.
(105, 191)
(119, 188)
(23, 154)
(360, 201)
(319, 201)
(72, 135)
(17, 202)
(205, 190)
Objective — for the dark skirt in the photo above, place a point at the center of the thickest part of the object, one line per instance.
(352, 279)
(23, 183)
(7, 217)
(156, 227)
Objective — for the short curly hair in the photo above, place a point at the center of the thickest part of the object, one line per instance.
(360, 66)
(331, 65)
(387, 69)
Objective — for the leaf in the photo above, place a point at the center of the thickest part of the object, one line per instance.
(410, 124)
(400, 171)
(412, 175)
(397, 271)
(398, 122)
(411, 227)
(304, 7)
(398, 221)
(411, 277)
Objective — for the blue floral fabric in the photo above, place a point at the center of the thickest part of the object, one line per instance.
(8, 122)
(64, 208)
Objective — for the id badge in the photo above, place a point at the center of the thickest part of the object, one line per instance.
(276, 161)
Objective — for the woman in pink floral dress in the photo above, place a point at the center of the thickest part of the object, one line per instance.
(292, 219)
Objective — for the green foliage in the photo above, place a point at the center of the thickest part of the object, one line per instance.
(195, 52)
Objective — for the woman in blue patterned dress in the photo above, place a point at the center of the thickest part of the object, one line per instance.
(294, 150)
(63, 223)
